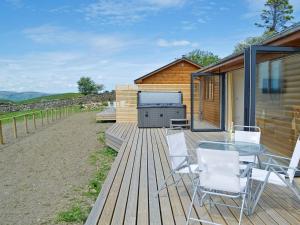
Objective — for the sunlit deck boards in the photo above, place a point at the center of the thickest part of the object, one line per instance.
(117, 133)
(129, 194)
(108, 114)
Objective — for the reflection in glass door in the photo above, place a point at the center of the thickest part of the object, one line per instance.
(206, 102)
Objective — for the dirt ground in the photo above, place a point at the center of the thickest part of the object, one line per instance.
(40, 174)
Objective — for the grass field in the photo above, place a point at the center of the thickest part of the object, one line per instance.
(51, 98)
(7, 117)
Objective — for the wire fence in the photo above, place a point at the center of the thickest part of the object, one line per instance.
(13, 127)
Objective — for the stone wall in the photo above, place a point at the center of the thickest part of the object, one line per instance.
(104, 97)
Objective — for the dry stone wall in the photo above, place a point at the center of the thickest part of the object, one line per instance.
(89, 99)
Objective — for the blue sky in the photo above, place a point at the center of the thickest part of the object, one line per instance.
(48, 45)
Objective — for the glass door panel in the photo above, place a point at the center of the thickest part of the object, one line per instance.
(206, 102)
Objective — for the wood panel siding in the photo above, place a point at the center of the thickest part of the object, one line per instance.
(179, 73)
(126, 98)
(184, 88)
(278, 114)
(211, 107)
(126, 103)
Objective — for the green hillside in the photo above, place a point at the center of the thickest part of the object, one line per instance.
(5, 101)
(20, 96)
(51, 98)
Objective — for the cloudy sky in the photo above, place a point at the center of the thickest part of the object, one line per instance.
(48, 45)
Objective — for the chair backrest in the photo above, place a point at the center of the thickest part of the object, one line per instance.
(294, 160)
(247, 134)
(219, 170)
(177, 147)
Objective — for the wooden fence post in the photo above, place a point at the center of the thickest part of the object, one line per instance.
(1, 134)
(59, 113)
(47, 115)
(42, 116)
(33, 119)
(15, 127)
(52, 116)
(26, 124)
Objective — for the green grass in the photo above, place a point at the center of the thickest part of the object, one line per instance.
(6, 101)
(75, 214)
(7, 117)
(102, 159)
(51, 98)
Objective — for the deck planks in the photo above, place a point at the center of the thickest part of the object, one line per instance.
(108, 114)
(129, 194)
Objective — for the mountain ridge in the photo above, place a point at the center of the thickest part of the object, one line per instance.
(21, 96)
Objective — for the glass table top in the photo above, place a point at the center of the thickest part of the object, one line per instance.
(244, 148)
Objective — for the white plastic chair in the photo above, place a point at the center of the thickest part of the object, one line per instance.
(179, 158)
(278, 174)
(219, 175)
(249, 134)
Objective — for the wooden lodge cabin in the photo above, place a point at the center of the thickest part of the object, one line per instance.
(259, 86)
(173, 77)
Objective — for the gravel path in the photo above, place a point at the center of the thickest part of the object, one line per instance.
(41, 173)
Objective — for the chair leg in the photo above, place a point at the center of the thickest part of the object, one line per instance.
(178, 180)
(258, 195)
(191, 207)
(164, 184)
(242, 209)
(294, 189)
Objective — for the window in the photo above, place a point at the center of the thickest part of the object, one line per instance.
(209, 88)
(270, 74)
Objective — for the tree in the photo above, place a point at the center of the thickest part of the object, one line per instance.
(87, 86)
(247, 42)
(276, 15)
(203, 58)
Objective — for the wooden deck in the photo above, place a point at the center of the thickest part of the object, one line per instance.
(128, 195)
(108, 114)
(117, 134)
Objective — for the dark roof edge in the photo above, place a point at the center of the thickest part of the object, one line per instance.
(166, 66)
(292, 29)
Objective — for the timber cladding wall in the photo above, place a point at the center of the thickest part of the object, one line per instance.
(126, 103)
(278, 112)
(179, 73)
(211, 108)
(174, 77)
(126, 98)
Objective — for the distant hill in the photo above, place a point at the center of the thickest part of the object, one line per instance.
(20, 96)
(5, 101)
(51, 98)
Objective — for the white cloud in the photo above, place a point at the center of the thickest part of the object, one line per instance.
(167, 3)
(175, 43)
(15, 3)
(200, 20)
(48, 34)
(120, 12)
(57, 72)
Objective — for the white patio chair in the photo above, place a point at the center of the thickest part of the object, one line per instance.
(180, 160)
(277, 173)
(249, 134)
(219, 175)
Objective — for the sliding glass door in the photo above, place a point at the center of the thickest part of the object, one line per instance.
(207, 101)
